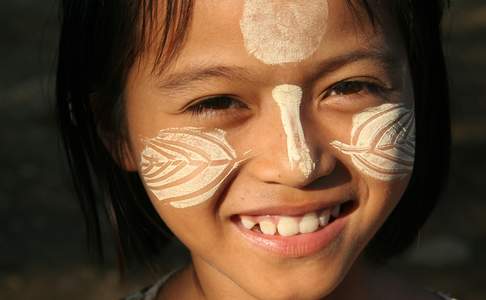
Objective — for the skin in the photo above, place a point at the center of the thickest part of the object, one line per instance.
(223, 264)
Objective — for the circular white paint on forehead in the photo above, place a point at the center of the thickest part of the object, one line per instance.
(278, 32)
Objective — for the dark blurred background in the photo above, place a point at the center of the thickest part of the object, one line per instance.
(42, 247)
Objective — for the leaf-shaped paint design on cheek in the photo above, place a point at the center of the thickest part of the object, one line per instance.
(382, 141)
(186, 166)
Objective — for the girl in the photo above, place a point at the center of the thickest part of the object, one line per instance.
(292, 146)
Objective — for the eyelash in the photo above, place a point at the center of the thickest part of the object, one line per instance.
(363, 86)
(216, 105)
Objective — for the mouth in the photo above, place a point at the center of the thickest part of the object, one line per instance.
(295, 235)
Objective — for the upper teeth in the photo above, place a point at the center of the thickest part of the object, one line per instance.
(287, 226)
(335, 211)
(290, 225)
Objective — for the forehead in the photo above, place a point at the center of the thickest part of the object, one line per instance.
(219, 31)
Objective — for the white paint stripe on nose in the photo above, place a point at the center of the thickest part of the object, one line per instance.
(288, 98)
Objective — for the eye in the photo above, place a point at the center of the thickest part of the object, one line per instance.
(351, 87)
(216, 105)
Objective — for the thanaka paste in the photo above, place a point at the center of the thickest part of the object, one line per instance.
(382, 141)
(288, 98)
(278, 32)
(186, 166)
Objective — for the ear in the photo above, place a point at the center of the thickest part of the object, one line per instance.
(120, 150)
(127, 159)
(117, 145)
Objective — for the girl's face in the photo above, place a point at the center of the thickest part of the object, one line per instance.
(277, 143)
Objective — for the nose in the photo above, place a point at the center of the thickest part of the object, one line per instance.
(285, 155)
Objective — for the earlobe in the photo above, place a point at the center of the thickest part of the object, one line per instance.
(121, 152)
(116, 144)
(128, 159)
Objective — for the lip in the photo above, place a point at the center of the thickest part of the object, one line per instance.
(299, 245)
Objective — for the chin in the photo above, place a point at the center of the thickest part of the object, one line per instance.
(299, 279)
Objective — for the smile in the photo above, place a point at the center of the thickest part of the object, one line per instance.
(295, 235)
(290, 225)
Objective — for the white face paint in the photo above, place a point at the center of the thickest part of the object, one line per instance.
(382, 141)
(288, 98)
(186, 166)
(278, 32)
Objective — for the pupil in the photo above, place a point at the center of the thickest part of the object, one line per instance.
(349, 88)
(219, 103)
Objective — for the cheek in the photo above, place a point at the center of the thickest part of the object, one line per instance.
(382, 142)
(186, 166)
(378, 200)
(380, 155)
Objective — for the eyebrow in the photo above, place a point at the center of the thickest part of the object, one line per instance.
(180, 81)
(384, 57)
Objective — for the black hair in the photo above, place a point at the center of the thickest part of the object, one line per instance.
(101, 40)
